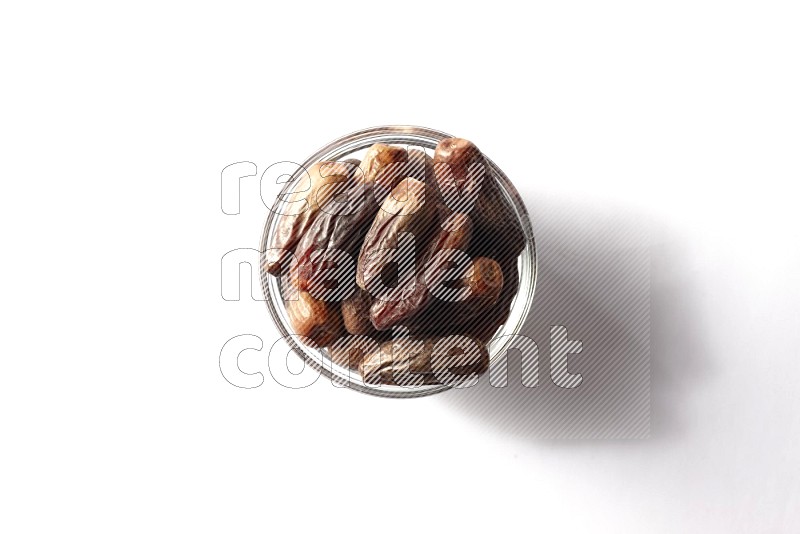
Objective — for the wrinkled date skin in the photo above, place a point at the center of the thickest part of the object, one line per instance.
(465, 184)
(350, 351)
(497, 315)
(325, 179)
(383, 167)
(317, 320)
(484, 283)
(340, 226)
(365, 215)
(460, 174)
(407, 209)
(497, 221)
(461, 156)
(405, 302)
(355, 311)
(410, 361)
(420, 165)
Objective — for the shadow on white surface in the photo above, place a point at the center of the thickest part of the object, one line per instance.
(617, 285)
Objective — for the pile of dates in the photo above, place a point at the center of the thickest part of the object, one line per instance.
(403, 266)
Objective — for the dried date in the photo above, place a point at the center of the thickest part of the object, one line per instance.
(460, 174)
(405, 301)
(340, 229)
(433, 360)
(350, 351)
(325, 179)
(355, 312)
(465, 184)
(315, 319)
(482, 283)
(383, 167)
(407, 210)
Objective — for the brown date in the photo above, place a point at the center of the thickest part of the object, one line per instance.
(405, 301)
(409, 361)
(484, 283)
(460, 157)
(339, 227)
(355, 312)
(466, 184)
(350, 351)
(498, 314)
(325, 179)
(420, 165)
(497, 223)
(383, 166)
(353, 165)
(315, 319)
(460, 174)
(407, 209)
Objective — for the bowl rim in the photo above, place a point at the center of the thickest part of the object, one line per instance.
(428, 138)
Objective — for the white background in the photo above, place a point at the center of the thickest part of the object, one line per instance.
(116, 122)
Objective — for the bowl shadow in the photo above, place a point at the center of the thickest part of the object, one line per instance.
(614, 280)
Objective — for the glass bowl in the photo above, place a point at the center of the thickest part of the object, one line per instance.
(354, 145)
